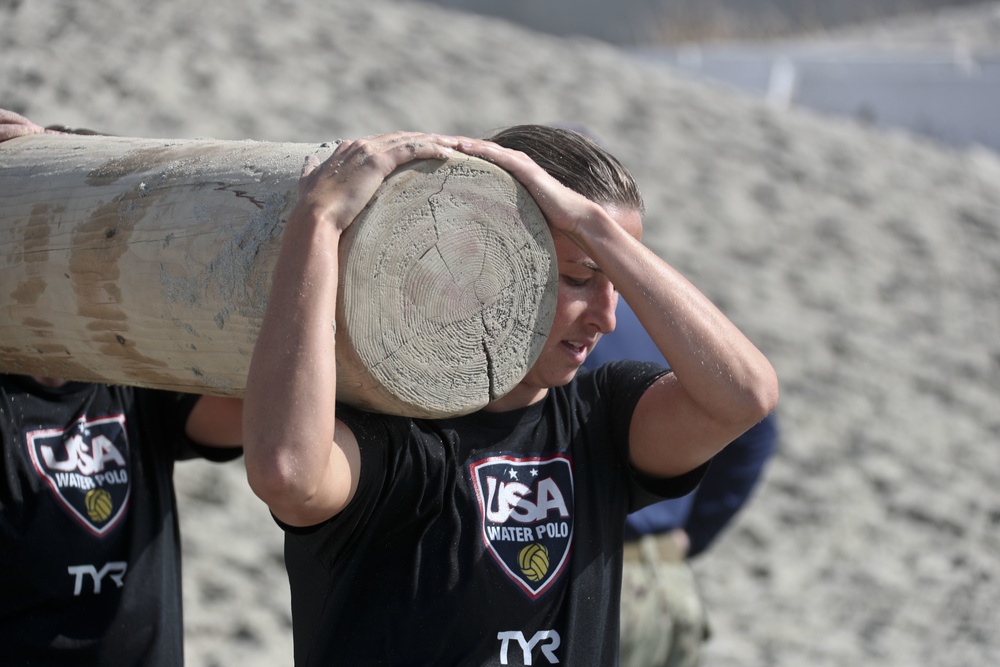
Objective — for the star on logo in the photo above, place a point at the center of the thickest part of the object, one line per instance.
(512, 473)
(534, 472)
(79, 427)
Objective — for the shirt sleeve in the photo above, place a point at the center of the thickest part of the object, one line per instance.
(622, 384)
(375, 434)
(169, 411)
(649, 490)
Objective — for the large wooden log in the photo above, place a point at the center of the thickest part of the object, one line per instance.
(148, 262)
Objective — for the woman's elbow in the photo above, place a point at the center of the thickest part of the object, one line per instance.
(764, 391)
(272, 477)
(301, 485)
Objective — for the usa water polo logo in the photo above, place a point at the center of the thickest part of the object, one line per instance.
(86, 466)
(526, 508)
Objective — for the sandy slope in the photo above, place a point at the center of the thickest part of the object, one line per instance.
(866, 265)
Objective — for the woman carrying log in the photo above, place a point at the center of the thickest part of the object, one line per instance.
(493, 538)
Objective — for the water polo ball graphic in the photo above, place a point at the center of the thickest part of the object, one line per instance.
(534, 561)
(99, 505)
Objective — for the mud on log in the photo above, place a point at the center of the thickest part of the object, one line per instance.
(148, 262)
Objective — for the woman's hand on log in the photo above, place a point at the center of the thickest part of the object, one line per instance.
(300, 460)
(13, 125)
(338, 189)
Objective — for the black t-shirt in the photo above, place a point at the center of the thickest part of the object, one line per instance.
(89, 542)
(489, 539)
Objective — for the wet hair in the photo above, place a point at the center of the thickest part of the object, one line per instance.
(576, 161)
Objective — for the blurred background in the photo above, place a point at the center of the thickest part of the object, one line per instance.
(670, 23)
(922, 65)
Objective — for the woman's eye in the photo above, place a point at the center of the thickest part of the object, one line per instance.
(575, 282)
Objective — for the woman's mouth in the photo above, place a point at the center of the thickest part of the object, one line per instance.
(576, 348)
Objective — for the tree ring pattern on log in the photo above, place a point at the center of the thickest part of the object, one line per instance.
(448, 290)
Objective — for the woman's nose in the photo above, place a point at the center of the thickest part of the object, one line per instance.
(603, 308)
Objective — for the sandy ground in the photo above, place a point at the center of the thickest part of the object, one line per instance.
(865, 264)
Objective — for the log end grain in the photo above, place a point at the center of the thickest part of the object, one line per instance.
(448, 290)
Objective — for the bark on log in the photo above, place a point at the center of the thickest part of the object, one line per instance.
(148, 262)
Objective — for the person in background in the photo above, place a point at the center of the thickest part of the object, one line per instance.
(90, 570)
(663, 618)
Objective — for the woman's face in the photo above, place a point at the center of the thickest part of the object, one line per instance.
(584, 312)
